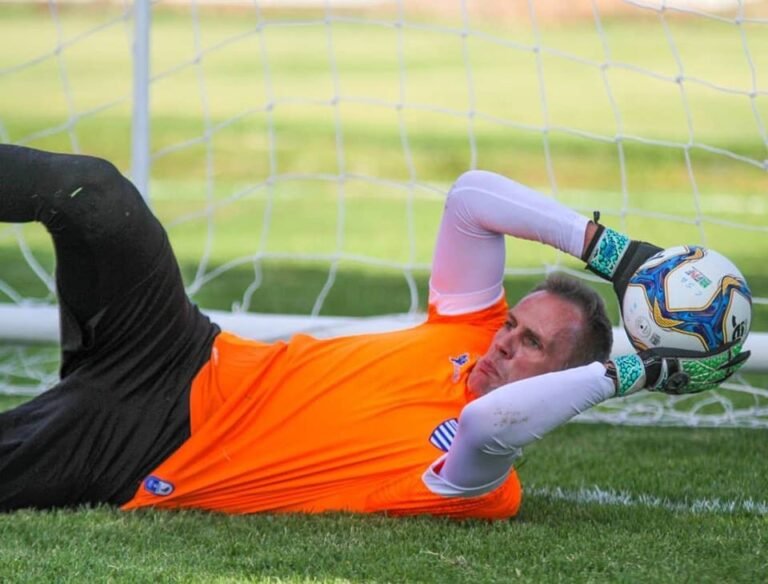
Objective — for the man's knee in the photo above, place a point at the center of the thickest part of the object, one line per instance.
(92, 191)
(85, 175)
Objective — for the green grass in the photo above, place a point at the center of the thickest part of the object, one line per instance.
(552, 540)
(701, 196)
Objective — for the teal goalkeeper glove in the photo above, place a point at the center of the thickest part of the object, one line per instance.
(675, 371)
(615, 257)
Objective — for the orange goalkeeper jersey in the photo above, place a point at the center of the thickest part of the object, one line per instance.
(348, 424)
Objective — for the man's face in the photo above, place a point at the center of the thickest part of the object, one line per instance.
(538, 337)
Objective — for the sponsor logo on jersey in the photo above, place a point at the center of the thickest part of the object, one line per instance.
(458, 364)
(158, 486)
(442, 436)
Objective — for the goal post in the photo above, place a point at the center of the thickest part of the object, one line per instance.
(299, 153)
(40, 325)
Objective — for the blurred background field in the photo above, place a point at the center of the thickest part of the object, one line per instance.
(346, 134)
(300, 156)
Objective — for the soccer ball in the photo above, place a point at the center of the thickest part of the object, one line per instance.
(686, 297)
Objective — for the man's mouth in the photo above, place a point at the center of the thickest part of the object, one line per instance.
(486, 367)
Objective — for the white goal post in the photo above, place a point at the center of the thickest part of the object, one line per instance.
(40, 324)
(290, 133)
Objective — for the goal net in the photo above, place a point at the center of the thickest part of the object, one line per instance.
(299, 152)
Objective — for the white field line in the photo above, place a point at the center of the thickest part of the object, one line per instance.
(596, 495)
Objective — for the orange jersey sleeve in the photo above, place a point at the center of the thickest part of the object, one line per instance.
(312, 425)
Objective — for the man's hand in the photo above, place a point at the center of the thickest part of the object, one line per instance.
(675, 371)
(615, 257)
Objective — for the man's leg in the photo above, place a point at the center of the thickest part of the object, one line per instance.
(131, 340)
(106, 239)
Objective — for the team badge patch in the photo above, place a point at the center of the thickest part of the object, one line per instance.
(158, 486)
(442, 436)
(458, 364)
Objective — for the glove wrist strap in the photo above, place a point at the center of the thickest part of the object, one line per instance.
(606, 251)
(628, 373)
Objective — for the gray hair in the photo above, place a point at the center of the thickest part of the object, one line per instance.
(596, 337)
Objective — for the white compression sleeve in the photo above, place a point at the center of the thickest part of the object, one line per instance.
(494, 428)
(468, 265)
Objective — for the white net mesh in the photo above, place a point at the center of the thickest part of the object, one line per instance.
(300, 152)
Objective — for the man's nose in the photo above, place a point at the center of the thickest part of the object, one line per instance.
(506, 344)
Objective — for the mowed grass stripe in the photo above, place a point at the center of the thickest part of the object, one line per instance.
(596, 495)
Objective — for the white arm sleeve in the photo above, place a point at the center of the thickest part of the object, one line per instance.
(494, 428)
(468, 265)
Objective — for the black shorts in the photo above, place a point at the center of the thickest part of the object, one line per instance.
(131, 339)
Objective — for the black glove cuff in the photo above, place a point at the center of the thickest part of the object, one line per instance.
(591, 247)
(636, 255)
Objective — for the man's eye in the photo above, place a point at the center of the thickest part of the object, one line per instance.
(533, 342)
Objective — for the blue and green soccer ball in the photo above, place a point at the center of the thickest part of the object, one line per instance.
(687, 297)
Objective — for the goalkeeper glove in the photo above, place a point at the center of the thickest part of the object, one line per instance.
(675, 371)
(615, 257)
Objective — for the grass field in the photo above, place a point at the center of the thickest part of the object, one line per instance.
(603, 504)
(356, 180)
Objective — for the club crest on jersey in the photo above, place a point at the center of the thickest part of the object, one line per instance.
(458, 364)
(442, 436)
(158, 486)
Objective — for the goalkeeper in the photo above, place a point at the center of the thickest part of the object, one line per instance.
(157, 407)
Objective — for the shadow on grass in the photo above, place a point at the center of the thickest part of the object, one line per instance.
(291, 287)
(287, 287)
